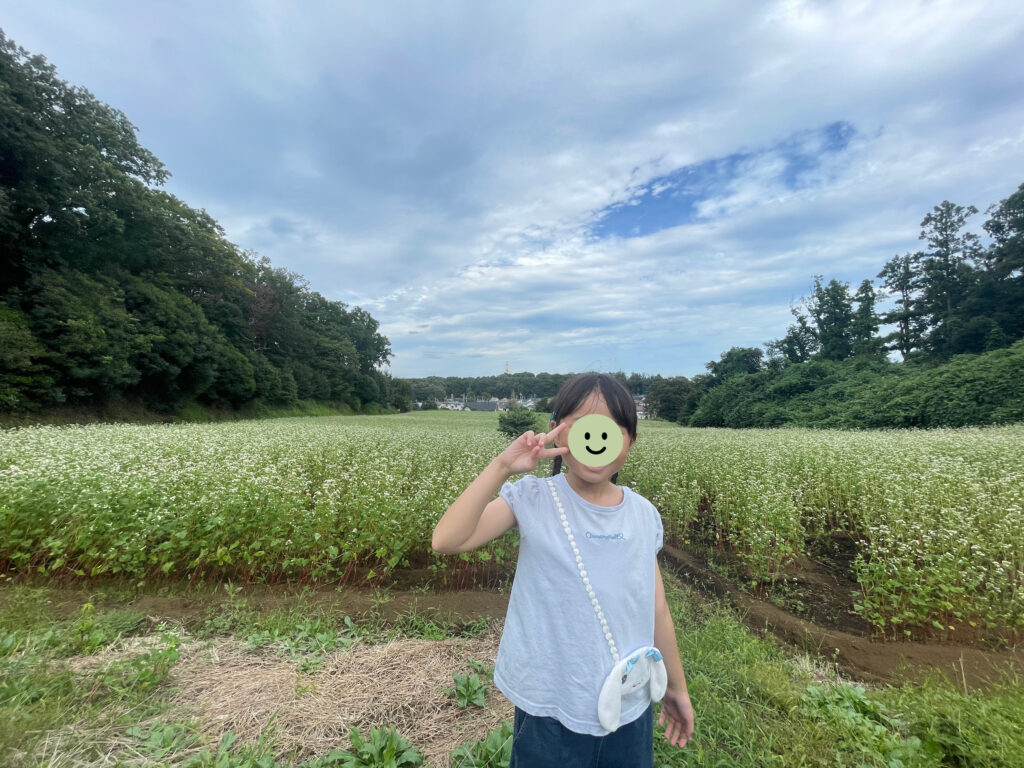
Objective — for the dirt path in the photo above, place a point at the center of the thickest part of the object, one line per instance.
(858, 656)
(467, 605)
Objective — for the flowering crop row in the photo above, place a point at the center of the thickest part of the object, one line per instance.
(259, 501)
(937, 517)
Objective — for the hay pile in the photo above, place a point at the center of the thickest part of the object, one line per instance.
(398, 684)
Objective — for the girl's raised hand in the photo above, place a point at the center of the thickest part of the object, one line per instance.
(528, 449)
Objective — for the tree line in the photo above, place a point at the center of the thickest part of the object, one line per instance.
(111, 287)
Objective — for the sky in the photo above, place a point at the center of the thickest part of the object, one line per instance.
(558, 186)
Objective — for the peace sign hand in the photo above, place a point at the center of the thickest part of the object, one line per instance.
(528, 449)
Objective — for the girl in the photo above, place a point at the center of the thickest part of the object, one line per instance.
(557, 647)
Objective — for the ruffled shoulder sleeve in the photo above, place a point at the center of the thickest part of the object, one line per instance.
(523, 496)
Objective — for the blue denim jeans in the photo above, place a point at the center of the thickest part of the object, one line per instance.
(543, 742)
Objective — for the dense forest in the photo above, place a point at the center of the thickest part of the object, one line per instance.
(113, 288)
(958, 325)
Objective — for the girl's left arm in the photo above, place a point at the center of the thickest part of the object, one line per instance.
(676, 709)
(665, 635)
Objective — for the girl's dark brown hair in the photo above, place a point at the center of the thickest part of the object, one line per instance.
(576, 391)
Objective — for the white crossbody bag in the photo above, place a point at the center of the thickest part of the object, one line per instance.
(644, 666)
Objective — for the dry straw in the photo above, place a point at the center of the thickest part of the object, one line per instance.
(398, 684)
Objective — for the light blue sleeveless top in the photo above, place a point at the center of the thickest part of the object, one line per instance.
(553, 657)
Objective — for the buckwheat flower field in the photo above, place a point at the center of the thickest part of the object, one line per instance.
(260, 500)
(937, 517)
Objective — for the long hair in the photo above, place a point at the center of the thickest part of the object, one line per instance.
(575, 391)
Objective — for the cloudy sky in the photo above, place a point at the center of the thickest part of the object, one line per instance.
(563, 186)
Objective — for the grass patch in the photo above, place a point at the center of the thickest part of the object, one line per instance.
(236, 617)
(755, 704)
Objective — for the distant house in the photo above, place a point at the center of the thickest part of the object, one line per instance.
(641, 406)
(452, 405)
(483, 405)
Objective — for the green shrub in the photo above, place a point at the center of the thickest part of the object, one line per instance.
(516, 421)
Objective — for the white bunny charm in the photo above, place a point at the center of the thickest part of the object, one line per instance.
(642, 666)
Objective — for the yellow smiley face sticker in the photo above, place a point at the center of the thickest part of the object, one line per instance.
(595, 440)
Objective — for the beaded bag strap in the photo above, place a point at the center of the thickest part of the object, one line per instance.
(583, 573)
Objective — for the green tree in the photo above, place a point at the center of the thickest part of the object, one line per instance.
(1006, 228)
(947, 274)
(234, 380)
(798, 345)
(901, 277)
(170, 327)
(515, 421)
(23, 381)
(672, 399)
(90, 339)
(1004, 282)
(400, 395)
(65, 159)
(832, 311)
(864, 327)
(268, 379)
(734, 362)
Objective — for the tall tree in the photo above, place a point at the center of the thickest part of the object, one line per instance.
(1006, 228)
(65, 159)
(864, 328)
(948, 273)
(1005, 279)
(832, 310)
(901, 277)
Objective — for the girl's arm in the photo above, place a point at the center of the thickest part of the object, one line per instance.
(665, 635)
(676, 709)
(458, 524)
(462, 518)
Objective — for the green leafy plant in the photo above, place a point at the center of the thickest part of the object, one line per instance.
(228, 619)
(162, 739)
(220, 759)
(86, 636)
(385, 748)
(865, 727)
(468, 690)
(309, 641)
(493, 751)
(256, 755)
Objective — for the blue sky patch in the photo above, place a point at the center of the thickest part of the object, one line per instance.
(673, 199)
